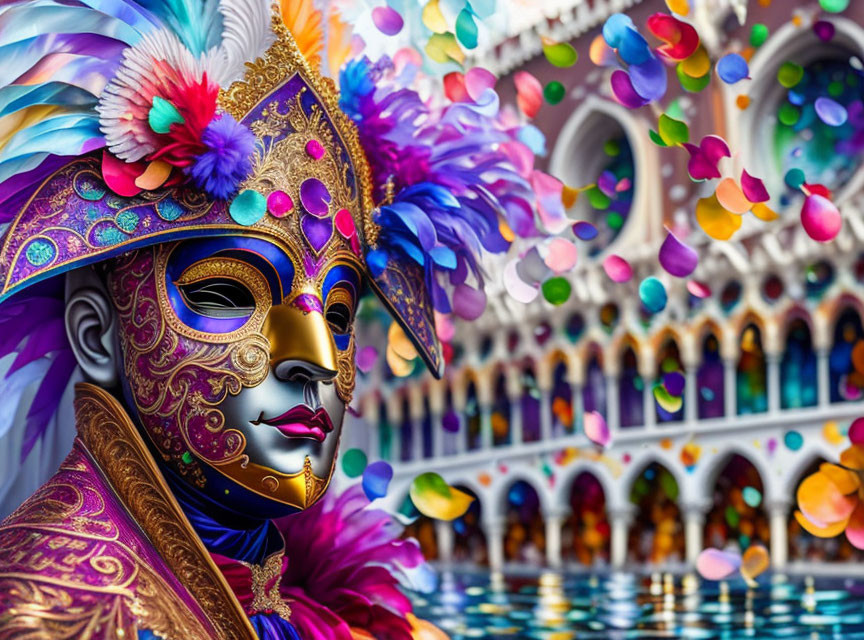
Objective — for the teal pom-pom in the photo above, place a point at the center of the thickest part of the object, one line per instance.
(162, 115)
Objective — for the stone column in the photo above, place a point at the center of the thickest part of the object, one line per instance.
(578, 405)
(649, 413)
(778, 514)
(444, 536)
(554, 524)
(495, 544)
(772, 381)
(823, 376)
(437, 434)
(730, 388)
(619, 520)
(546, 415)
(516, 436)
(694, 530)
(691, 395)
(486, 440)
(612, 408)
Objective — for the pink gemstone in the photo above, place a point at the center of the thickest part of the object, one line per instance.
(315, 149)
(279, 203)
(345, 223)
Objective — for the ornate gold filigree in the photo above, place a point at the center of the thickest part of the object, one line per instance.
(279, 63)
(266, 579)
(116, 445)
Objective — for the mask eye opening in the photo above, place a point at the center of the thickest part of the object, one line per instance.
(218, 298)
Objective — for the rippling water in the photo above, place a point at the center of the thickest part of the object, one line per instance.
(615, 606)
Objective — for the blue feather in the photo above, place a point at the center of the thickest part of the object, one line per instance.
(198, 23)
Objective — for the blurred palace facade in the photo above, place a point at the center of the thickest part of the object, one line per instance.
(771, 381)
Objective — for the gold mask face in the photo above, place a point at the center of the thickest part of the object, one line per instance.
(239, 358)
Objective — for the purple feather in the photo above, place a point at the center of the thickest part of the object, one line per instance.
(228, 159)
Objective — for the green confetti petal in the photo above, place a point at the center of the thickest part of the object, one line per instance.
(673, 132)
(556, 290)
(554, 92)
(693, 85)
(466, 29)
(248, 207)
(790, 74)
(354, 462)
(758, 35)
(162, 115)
(560, 54)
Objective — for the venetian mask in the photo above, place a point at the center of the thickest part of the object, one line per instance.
(238, 358)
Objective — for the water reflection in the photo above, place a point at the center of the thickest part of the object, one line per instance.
(553, 606)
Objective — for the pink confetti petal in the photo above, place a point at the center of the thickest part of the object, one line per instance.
(387, 20)
(698, 289)
(855, 527)
(856, 431)
(820, 218)
(366, 358)
(596, 429)
(677, 258)
(344, 222)
(518, 289)
(606, 183)
(714, 564)
(715, 148)
(561, 256)
(754, 189)
(622, 89)
(477, 80)
(617, 268)
(444, 327)
(529, 93)
(681, 38)
(731, 197)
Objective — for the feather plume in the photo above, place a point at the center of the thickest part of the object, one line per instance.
(246, 36)
(454, 184)
(306, 25)
(196, 23)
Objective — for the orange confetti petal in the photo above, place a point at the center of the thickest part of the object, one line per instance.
(569, 196)
(400, 343)
(830, 531)
(731, 197)
(846, 481)
(858, 356)
(398, 365)
(716, 221)
(742, 102)
(853, 457)
(154, 175)
(754, 562)
(681, 7)
(822, 501)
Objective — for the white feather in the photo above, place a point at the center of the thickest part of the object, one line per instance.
(246, 35)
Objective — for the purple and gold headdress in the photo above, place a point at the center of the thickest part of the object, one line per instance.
(127, 123)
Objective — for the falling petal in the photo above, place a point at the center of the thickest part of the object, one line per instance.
(677, 258)
(666, 401)
(764, 212)
(714, 564)
(354, 462)
(831, 112)
(681, 7)
(652, 293)
(468, 302)
(454, 87)
(366, 358)
(434, 498)
(622, 89)
(847, 482)
(698, 64)
(561, 256)
(673, 382)
(478, 80)
(556, 290)
(753, 188)
(518, 289)
(855, 527)
(154, 175)
(698, 289)
(617, 268)
(466, 29)
(529, 93)
(673, 131)
(716, 221)
(596, 429)
(649, 79)
(752, 496)
(433, 18)
(585, 230)
(731, 197)
(387, 20)
(559, 54)
(820, 218)
(680, 38)
(602, 54)
(821, 500)
(856, 431)
(615, 28)
(754, 562)
(376, 479)
(400, 343)
(732, 68)
(830, 531)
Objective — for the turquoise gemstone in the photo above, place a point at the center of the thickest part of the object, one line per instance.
(40, 252)
(248, 207)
